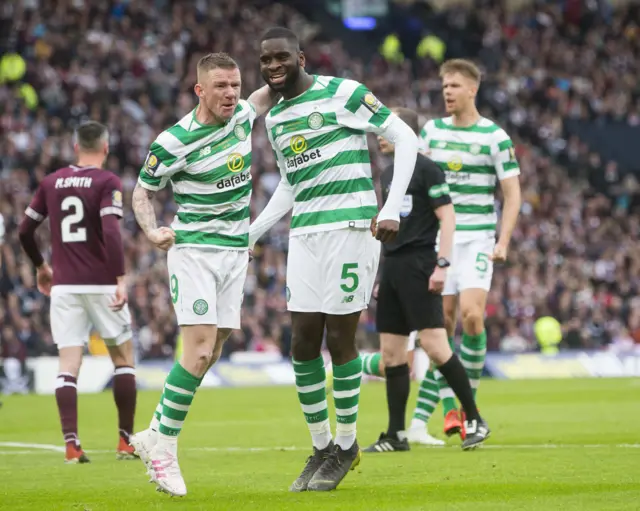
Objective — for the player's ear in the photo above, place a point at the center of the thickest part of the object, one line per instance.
(197, 88)
(473, 89)
(302, 59)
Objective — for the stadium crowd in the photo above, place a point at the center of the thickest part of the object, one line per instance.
(575, 253)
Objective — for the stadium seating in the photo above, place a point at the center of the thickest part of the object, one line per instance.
(576, 251)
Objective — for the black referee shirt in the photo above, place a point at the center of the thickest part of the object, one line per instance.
(419, 224)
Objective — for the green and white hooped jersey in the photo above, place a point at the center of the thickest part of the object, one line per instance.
(209, 168)
(472, 158)
(320, 142)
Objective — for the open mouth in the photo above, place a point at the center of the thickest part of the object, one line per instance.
(278, 78)
(449, 102)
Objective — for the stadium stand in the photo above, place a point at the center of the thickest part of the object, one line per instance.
(575, 254)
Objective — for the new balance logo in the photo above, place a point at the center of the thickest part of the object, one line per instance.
(347, 299)
(205, 151)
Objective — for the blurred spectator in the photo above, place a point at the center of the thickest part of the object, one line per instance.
(575, 254)
(14, 376)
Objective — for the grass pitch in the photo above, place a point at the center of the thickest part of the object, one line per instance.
(556, 445)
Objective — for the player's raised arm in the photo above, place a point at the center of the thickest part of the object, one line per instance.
(365, 112)
(153, 177)
(263, 99)
(507, 170)
(34, 216)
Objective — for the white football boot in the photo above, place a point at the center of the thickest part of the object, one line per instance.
(165, 470)
(419, 435)
(143, 443)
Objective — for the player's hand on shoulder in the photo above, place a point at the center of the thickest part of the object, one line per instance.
(162, 237)
(44, 279)
(436, 281)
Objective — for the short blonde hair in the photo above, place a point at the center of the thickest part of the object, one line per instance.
(464, 67)
(214, 61)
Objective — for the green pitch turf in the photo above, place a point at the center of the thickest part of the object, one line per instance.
(556, 445)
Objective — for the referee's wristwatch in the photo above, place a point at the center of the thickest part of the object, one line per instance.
(443, 262)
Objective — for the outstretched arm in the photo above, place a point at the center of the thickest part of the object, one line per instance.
(263, 99)
(279, 205)
(404, 162)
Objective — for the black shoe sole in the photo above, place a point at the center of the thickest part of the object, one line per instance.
(453, 431)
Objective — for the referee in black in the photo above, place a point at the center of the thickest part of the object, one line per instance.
(409, 296)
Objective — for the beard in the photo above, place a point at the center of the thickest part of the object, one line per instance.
(290, 80)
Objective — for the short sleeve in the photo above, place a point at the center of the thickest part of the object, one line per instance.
(37, 209)
(252, 111)
(437, 187)
(279, 157)
(503, 155)
(160, 163)
(360, 109)
(111, 197)
(423, 138)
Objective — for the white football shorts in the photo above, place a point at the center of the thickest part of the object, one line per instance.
(471, 266)
(207, 285)
(72, 317)
(332, 272)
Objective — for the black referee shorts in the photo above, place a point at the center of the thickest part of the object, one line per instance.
(405, 303)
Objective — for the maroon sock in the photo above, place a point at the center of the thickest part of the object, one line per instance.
(67, 399)
(124, 394)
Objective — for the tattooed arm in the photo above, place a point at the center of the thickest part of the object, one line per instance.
(161, 237)
(143, 208)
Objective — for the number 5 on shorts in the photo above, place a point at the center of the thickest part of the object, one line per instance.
(482, 262)
(347, 273)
